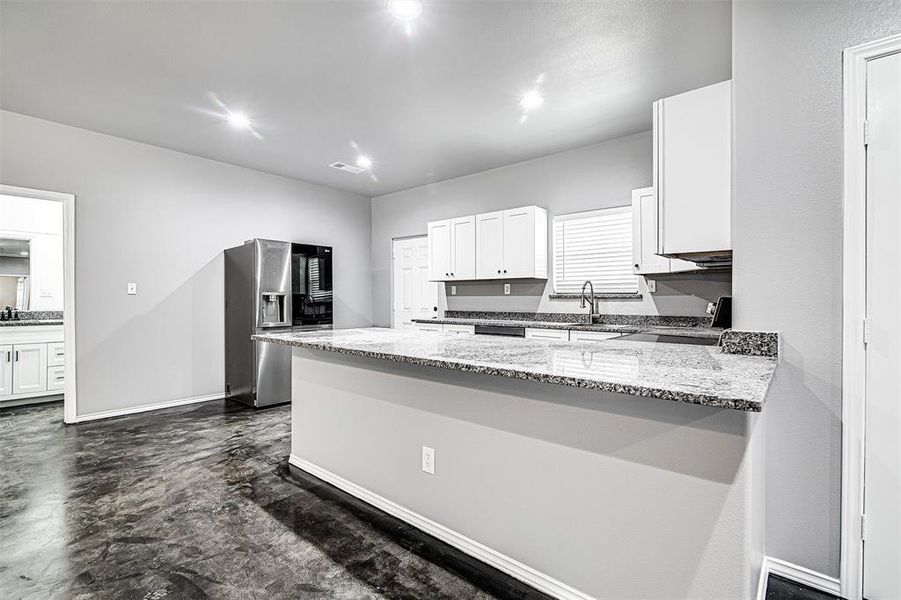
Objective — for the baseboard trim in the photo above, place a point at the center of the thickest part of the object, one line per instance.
(796, 573)
(120, 412)
(502, 562)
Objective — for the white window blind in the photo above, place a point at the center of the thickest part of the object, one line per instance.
(594, 246)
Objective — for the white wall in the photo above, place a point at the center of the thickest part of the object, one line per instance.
(40, 222)
(161, 219)
(597, 176)
(786, 231)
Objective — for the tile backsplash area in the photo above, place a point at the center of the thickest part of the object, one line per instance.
(679, 294)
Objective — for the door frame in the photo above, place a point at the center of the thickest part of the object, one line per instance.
(68, 201)
(854, 264)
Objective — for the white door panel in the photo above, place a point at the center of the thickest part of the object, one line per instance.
(463, 248)
(882, 496)
(490, 245)
(439, 250)
(6, 370)
(29, 368)
(519, 243)
(415, 296)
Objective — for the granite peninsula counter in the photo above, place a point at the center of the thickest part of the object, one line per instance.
(684, 373)
(569, 465)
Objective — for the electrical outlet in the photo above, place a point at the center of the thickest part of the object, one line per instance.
(652, 285)
(46, 294)
(453, 290)
(428, 460)
(132, 289)
(506, 289)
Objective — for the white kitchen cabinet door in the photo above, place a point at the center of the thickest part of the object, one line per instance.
(439, 234)
(29, 368)
(461, 329)
(692, 172)
(463, 248)
(429, 326)
(644, 238)
(6, 370)
(519, 242)
(490, 245)
(561, 335)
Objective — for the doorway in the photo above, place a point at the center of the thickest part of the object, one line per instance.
(413, 296)
(871, 436)
(38, 361)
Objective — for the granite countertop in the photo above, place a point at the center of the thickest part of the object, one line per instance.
(683, 373)
(701, 332)
(31, 322)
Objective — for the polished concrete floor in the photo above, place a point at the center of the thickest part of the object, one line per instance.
(198, 502)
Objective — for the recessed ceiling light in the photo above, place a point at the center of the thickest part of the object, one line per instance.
(406, 10)
(531, 100)
(238, 120)
(364, 162)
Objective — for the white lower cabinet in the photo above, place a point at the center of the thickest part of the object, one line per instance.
(6, 370)
(547, 334)
(29, 368)
(591, 336)
(429, 326)
(461, 329)
(32, 362)
(56, 378)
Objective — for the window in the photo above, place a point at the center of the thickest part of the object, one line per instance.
(594, 246)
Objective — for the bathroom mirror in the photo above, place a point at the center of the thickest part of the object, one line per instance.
(15, 269)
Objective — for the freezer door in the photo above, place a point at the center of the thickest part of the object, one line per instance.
(273, 374)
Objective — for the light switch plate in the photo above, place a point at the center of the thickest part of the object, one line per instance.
(652, 285)
(453, 290)
(506, 289)
(132, 289)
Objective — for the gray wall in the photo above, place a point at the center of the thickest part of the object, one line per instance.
(617, 496)
(161, 219)
(787, 212)
(597, 176)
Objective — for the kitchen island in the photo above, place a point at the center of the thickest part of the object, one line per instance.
(572, 466)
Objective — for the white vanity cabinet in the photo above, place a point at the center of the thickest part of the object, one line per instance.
(693, 173)
(644, 238)
(512, 244)
(452, 249)
(32, 362)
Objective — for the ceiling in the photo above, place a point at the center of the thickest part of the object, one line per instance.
(324, 81)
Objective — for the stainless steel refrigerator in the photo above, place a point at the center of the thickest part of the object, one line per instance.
(271, 286)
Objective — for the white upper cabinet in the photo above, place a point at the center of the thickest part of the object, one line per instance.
(490, 245)
(463, 248)
(505, 244)
(644, 238)
(692, 173)
(452, 249)
(512, 244)
(439, 250)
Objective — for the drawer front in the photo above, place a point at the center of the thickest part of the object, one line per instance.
(430, 327)
(547, 334)
(463, 329)
(56, 378)
(592, 336)
(56, 354)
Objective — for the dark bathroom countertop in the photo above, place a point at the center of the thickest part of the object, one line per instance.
(31, 322)
(693, 374)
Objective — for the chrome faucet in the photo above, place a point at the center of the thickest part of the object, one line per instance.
(591, 307)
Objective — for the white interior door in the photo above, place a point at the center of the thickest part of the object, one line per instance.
(413, 295)
(882, 471)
